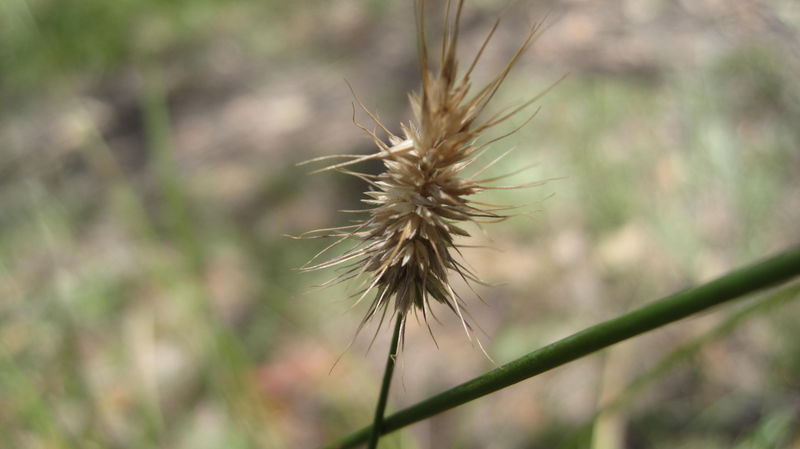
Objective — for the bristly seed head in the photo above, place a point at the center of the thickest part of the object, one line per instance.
(407, 248)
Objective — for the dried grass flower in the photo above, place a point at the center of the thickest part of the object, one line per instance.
(406, 249)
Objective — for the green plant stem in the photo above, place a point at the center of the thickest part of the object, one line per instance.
(377, 424)
(777, 269)
(688, 349)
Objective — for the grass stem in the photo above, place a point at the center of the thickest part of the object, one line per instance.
(377, 424)
(777, 269)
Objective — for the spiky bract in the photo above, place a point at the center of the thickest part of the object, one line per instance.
(406, 246)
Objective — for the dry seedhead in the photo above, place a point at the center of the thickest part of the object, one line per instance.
(406, 246)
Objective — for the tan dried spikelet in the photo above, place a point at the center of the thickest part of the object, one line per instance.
(406, 246)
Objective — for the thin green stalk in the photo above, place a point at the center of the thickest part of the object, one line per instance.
(693, 346)
(377, 424)
(777, 269)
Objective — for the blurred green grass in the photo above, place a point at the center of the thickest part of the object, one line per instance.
(139, 312)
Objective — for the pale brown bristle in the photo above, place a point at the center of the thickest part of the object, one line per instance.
(406, 247)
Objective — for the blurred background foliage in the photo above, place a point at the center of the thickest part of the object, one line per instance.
(147, 179)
